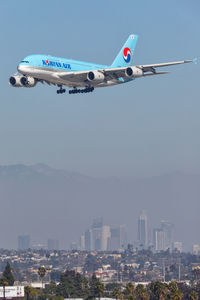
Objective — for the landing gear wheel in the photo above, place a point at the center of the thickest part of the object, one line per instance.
(86, 90)
(61, 90)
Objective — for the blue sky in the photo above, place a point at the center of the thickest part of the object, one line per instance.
(150, 126)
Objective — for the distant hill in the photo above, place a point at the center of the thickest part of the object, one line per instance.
(46, 203)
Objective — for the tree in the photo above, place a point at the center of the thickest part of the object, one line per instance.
(41, 273)
(176, 295)
(129, 291)
(4, 283)
(100, 289)
(27, 292)
(8, 275)
(72, 285)
(173, 286)
(111, 286)
(193, 295)
(116, 293)
(129, 288)
(91, 263)
(158, 290)
(141, 292)
(96, 287)
(32, 293)
(55, 275)
(51, 289)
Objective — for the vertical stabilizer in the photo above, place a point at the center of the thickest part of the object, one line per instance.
(126, 54)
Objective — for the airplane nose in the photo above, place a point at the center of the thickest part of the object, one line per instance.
(19, 68)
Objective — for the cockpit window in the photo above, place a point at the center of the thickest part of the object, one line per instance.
(25, 61)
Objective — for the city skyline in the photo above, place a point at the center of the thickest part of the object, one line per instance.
(63, 195)
(104, 237)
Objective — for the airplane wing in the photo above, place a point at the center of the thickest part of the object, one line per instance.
(147, 68)
(116, 73)
(77, 76)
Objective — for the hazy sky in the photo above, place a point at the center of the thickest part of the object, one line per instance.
(149, 126)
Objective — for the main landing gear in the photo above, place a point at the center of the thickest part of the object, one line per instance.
(75, 90)
(86, 90)
(61, 90)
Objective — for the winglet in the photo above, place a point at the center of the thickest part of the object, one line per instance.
(196, 60)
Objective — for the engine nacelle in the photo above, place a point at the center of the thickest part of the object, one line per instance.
(15, 81)
(95, 76)
(28, 81)
(133, 72)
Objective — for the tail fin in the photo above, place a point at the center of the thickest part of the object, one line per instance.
(125, 56)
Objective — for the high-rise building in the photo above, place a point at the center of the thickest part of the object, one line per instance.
(53, 244)
(101, 237)
(97, 233)
(82, 242)
(178, 246)
(23, 242)
(118, 238)
(196, 249)
(168, 229)
(97, 222)
(158, 239)
(143, 230)
(105, 235)
(89, 240)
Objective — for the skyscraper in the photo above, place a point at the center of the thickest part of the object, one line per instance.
(118, 239)
(196, 249)
(97, 222)
(163, 236)
(23, 242)
(143, 230)
(167, 228)
(158, 239)
(82, 242)
(89, 240)
(105, 235)
(178, 246)
(97, 237)
(97, 233)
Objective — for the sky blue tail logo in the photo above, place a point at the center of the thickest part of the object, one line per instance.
(125, 56)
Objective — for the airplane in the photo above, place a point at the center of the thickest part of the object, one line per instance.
(84, 77)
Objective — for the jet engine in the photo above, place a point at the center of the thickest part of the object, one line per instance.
(95, 76)
(15, 80)
(28, 81)
(19, 81)
(133, 72)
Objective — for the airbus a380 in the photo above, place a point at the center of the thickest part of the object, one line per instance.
(81, 76)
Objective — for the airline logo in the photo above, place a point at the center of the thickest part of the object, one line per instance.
(127, 55)
(55, 64)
